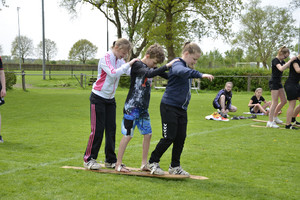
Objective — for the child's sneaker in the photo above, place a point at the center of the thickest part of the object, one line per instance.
(290, 127)
(178, 171)
(145, 168)
(92, 164)
(278, 121)
(154, 168)
(296, 123)
(272, 125)
(1, 139)
(110, 165)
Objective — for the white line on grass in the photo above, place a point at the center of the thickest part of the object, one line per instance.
(129, 147)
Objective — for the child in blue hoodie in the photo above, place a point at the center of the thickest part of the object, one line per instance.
(173, 109)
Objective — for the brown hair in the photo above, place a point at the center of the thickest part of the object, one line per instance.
(283, 50)
(156, 51)
(122, 43)
(191, 47)
(298, 56)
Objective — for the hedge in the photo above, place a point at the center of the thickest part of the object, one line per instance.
(11, 80)
(223, 75)
(234, 75)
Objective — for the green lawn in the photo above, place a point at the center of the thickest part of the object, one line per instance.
(44, 129)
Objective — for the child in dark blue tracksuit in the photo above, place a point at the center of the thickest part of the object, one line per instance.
(173, 109)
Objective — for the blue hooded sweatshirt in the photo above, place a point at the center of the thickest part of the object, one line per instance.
(178, 90)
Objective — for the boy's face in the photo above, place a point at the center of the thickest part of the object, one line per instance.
(228, 87)
(151, 62)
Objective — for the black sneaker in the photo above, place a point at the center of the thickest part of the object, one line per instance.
(1, 139)
(290, 127)
(296, 123)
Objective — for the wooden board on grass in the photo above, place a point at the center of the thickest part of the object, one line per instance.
(264, 121)
(138, 173)
(258, 126)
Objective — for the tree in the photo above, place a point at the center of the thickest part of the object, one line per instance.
(50, 49)
(264, 30)
(26, 47)
(3, 3)
(233, 56)
(165, 21)
(186, 20)
(131, 18)
(295, 4)
(82, 50)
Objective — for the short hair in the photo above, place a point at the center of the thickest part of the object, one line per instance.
(283, 50)
(229, 82)
(191, 47)
(122, 43)
(257, 89)
(156, 51)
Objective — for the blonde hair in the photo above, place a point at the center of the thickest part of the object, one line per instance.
(283, 50)
(257, 89)
(191, 48)
(156, 51)
(122, 43)
(229, 82)
(298, 56)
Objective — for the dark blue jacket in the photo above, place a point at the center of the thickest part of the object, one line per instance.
(178, 90)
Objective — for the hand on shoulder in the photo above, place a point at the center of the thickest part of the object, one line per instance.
(133, 61)
(172, 62)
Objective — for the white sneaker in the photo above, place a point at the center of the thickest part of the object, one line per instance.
(155, 169)
(92, 164)
(278, 121)
(272, 124)
(178, 171)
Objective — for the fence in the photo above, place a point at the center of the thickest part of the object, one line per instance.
(85, 80)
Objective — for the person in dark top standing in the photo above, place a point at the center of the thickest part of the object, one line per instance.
(255, 105)
(292, 89)
(137, 102)
(173, 109)
(277, 91)
(222, 101)
(3, 90)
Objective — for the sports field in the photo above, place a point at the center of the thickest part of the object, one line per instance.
(44, 129)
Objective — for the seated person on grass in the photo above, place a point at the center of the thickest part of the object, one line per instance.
(255, 103)
(222, 102)
(137, 102)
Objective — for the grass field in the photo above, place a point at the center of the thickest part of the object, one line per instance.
(44, 129)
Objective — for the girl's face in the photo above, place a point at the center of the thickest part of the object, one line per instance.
(228, 87)
(191, 59)
(283, 56)
(258, 93)
(120, 53)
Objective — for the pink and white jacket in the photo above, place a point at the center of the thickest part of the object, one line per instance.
(109, 71)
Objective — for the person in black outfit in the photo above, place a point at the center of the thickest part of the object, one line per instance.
(255, 103)
(292, 89)
(277, 91)
(222, 101)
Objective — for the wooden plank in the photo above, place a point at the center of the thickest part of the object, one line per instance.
(138, 173)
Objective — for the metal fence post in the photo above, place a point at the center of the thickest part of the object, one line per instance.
(249, 84)
(23, 80)
(81, 80)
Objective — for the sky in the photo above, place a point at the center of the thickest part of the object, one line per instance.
(89, 24)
